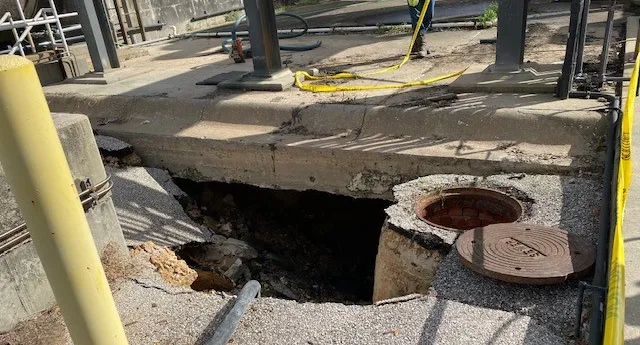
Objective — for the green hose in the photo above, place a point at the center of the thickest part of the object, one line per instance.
(234, 29)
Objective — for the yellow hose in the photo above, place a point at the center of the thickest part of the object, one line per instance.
(301, 76)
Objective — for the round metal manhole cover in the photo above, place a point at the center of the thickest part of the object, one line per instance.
(525, 254)
(460, 209)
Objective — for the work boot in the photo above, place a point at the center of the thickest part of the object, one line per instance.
(419, 49)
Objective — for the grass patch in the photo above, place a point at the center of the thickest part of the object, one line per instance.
(233, 15)
(489, 16)
(391, 30)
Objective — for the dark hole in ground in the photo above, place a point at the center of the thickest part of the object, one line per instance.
(312, 246)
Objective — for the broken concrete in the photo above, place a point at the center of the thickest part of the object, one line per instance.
(147, 208)
(24, 288)
(568, 203)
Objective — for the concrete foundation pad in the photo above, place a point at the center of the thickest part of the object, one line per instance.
(357, 150)
(278, 82)
(533, 78)
(568, 203)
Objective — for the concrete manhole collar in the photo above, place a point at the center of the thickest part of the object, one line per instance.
(525, 254)
(461, 209)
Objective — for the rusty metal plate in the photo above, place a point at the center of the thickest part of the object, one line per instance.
(525, 254)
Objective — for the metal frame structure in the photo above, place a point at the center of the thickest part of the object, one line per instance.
(44, 17)
(572, 69)
(512, 27)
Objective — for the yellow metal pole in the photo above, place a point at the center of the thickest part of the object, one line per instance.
(39, 176)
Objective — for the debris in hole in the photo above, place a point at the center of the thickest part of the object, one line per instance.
(116, 152)
(307, 246)
(172, 269)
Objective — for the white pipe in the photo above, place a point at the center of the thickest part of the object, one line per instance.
(59, 24)
(175, 30)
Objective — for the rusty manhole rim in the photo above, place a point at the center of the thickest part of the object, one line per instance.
(494, 194)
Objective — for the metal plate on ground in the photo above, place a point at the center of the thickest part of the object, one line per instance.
(525, 254)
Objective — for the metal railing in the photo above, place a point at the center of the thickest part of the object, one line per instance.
(23, 32)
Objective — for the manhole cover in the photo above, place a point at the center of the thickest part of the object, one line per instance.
(525, 254)
(460, 209)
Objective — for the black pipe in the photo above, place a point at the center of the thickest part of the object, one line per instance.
(226, 328)
(602, 251)
(565, 82)
(604, 57)
(214, 14)
(582, 37)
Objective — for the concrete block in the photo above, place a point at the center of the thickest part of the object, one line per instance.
(533, 78)
(49, 72)
(24, 289)
(73, 68)
(279, 82)
(403, 266)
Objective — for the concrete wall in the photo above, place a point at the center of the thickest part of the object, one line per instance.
(175, 12)
(24, 289)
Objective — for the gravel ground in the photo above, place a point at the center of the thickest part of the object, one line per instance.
(428, 321)
(148, 210)
(569, 203)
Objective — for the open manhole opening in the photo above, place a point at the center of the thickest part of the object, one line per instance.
(311, 246)
(461, 209)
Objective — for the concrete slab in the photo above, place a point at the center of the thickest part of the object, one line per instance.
(147, 208)
(268, 143)
(533, 78)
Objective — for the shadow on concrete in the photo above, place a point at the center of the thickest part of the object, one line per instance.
(432, 323)
(148, 210)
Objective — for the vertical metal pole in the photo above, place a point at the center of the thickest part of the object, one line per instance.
(136, 7)
(107, 34)
(265, 47)
(565, 83)
(102, 57)
(123, 26)
(37, 171)
(604, 56)
(582, 38)
(512, 28)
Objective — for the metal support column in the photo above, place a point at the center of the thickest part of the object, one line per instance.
(97, 34)
(582, 36)
(565, 83)
(512, 26)
(263, 33)
(604, 56)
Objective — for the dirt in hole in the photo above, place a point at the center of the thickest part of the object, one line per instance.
(309, 246)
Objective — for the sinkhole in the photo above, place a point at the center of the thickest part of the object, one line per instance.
(309, 246)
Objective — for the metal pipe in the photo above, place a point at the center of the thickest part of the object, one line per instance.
(604, 57)
(565, 83)
(331, 30)
(215, 14)
(59, 24)
(602, 251)
(21, 13)
(226, 328)
(136, 8)
(582, 36)
(121, 21)
(37, 171)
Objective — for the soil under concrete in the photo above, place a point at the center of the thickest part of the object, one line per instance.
(320, 247)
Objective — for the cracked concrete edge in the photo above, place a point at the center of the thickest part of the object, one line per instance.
(547, 121)
(551, 200)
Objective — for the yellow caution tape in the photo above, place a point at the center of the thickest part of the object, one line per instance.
(301, 76)
(614, 318)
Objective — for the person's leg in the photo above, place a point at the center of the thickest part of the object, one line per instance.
(419, 47)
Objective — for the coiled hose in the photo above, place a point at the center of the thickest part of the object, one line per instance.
(227, 42)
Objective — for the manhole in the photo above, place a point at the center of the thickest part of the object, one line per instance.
(460, 209)
(525, 254)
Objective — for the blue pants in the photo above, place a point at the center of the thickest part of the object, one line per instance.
(414, 12)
